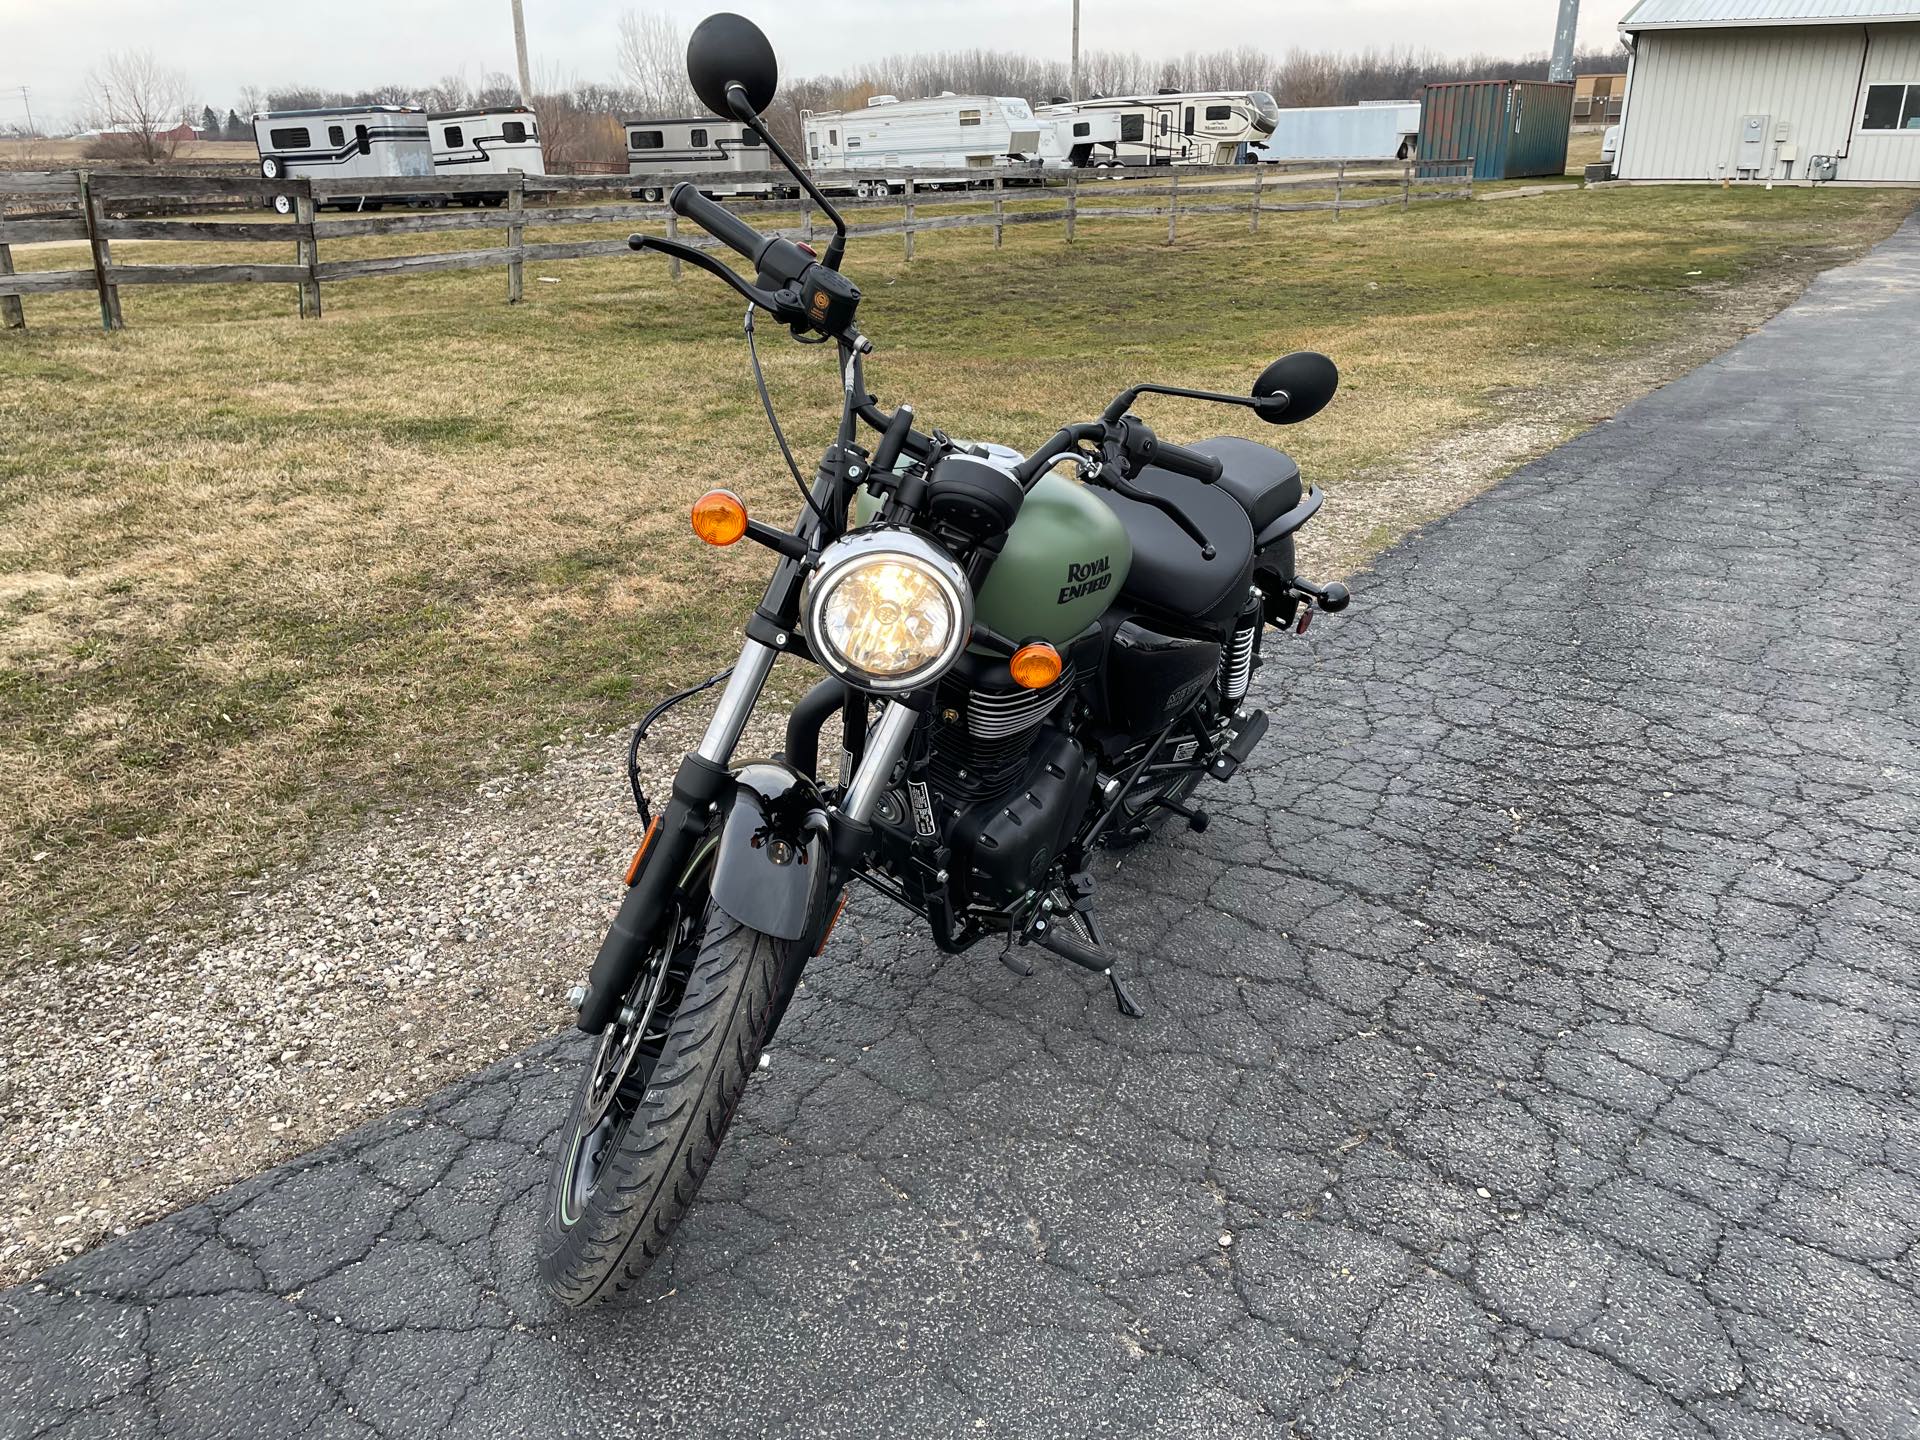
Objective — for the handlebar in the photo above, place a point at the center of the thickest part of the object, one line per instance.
(1182, 461)
(718, 221)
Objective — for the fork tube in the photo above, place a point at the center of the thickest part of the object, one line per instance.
(736, 702)
(885, 745)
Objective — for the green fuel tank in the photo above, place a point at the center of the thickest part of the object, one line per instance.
(1062, 566)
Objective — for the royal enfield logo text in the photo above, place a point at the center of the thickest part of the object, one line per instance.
(1088, 579)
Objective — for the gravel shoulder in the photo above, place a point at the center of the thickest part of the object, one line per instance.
(401, 956)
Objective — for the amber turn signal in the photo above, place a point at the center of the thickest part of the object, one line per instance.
(646, 843)
(1035, 666)
(719, 517)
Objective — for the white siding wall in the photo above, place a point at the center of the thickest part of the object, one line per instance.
(1691, 88)
(1887, 154)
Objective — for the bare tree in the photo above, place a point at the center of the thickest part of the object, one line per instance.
(138, 105)
(653, 61)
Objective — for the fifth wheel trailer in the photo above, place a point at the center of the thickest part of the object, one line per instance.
(1213, 127)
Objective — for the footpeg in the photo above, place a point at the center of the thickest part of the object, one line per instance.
(1331, 598)
(1050, 931)
(1248, 733)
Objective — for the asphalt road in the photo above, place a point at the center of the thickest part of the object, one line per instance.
(1532, 1049)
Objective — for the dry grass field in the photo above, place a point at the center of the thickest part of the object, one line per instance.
(259, 575)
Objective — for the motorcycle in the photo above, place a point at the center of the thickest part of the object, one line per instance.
(1028, 667)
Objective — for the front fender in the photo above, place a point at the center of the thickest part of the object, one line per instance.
(770, 872)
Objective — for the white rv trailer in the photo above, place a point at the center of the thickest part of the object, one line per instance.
(500, 141)
(369, 141)
(1375, 130)
(942, 132)
(699, 145)
(1189, 128)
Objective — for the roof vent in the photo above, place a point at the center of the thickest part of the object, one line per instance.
(883, 100)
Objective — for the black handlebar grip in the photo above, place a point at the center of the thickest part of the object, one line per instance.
(718, 221)
(1182, 461)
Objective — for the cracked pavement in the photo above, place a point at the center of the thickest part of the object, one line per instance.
(1532, 1047)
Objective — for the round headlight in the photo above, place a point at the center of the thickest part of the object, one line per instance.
(888, 611)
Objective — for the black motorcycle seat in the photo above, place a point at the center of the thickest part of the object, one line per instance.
(1265, 481)
(1168, 571)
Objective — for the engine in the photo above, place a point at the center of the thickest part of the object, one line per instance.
(1011, 789)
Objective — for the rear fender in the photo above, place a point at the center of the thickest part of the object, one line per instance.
(770, 872)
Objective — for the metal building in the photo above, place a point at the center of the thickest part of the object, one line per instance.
(1781, 90)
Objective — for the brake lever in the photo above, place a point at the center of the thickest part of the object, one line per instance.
(1113, 475)
(768, 300)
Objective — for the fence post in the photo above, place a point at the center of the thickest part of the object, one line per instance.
(1073, 203)
(999, 209)
(673, 232)
(806, 217)
(1406, 183)
(110, 317)
(516, 238)
(1173, 203)
(307, 248)
(909, 228)
(1339, 188)
(13, 314)
(1472, 165)
(1253, 214)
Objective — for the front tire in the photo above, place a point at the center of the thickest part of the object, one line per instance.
(622, 1183)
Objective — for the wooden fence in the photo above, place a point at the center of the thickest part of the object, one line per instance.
(97, 209)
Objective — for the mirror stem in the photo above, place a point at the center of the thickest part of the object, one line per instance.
(1123, 402)
(743, 111)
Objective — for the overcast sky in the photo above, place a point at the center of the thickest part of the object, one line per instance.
(222, 45)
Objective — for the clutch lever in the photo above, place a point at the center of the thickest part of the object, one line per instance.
(768, 300)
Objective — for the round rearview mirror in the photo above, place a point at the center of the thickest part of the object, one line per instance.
(1307, 378)
(728, 50)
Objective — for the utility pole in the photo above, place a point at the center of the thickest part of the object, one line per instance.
(1073, 82)
(520, 52)
(1561, 69)
(24, 100)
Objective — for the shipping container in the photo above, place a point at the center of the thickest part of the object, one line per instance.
(1510, 129)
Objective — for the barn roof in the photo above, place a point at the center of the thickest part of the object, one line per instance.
(1692, 14)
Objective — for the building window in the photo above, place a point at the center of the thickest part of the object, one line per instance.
(1133, 128)
(1219, 112)
(514, 133)
(648, 140)
(1892, 107)
(969, 117)
(697, 139)
(336, 136)
(296, 138)
(455, 137)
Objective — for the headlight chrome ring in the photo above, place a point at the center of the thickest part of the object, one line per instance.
(888, 611)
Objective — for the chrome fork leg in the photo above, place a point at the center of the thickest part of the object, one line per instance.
(736, 702)
(885, 746)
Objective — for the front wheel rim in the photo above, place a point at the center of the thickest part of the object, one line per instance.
(616, 1082)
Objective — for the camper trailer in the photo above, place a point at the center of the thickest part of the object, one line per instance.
(699, 145)
(1199, 128)
(500, 141)
(1373, 130)
(372, 142)
(942, 132)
